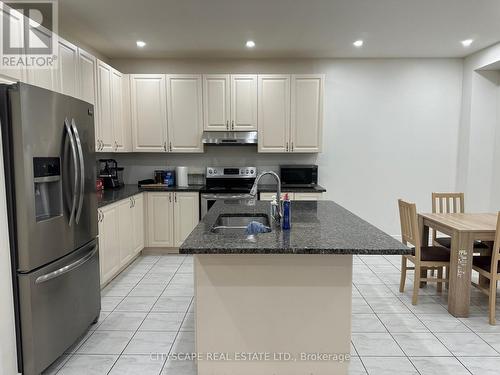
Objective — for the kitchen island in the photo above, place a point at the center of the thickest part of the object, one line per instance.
(279, 302)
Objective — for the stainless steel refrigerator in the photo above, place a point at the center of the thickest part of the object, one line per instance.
(49, 157)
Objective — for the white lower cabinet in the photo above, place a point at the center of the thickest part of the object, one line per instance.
(171, 217)
(121, 235)
(160, 219)
(109, 247)
(307, 196)
(293, 196)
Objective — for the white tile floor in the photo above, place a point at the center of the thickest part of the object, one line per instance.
(149, 309)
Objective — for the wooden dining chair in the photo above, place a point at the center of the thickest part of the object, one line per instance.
(424, 257)
(450, 203)
(488, 267)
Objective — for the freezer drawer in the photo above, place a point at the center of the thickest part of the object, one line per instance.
(57, 305)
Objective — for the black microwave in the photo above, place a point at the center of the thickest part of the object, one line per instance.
(299, 175)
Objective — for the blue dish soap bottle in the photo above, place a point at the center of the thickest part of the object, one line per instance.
(287, 213)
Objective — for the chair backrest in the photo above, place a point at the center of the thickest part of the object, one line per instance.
(495, 255)
(409, 225)
(449, 203)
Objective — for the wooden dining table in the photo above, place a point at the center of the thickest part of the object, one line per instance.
(464, 229)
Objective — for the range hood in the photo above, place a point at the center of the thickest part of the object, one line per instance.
(229, 138)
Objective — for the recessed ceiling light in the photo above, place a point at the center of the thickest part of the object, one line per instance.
(358, 43)
(250, 44)
(140, 43)
(467, 42)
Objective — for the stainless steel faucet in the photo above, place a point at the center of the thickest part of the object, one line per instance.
(253, 192)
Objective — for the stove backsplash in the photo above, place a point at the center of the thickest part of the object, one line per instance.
(139, 166)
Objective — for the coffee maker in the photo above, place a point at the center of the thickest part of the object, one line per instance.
(111, 174)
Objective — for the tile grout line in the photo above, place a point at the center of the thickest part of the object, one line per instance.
(397, 343)
(177, 334)
(110, 312)
(147, 313)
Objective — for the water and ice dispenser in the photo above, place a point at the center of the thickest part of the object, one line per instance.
(48, 188)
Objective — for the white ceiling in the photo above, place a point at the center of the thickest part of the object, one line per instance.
(282, 28)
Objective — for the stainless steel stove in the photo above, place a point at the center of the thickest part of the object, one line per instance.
(230, 184)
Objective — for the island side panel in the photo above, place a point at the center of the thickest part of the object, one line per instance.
(273, 304)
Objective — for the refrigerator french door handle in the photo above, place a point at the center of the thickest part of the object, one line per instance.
(70, 267)
(75, 167)
(82, 170)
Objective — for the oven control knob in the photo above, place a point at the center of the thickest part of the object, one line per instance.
(246, 172)
(215, 171)
(209, 171)
(251, 172)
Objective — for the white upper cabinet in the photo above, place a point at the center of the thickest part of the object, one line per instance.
(216, 102)
(306, 113)
(88, 82)
(119, 128)
(67, 72)
(149, 112)
(184, 111)
(104, 125)
(243, 102)
(274, 113)
(15, 20)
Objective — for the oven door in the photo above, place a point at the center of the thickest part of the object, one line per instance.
(208, 200)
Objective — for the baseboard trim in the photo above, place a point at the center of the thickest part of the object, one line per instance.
(160, 250)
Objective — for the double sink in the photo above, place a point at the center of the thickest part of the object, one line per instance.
(236, 224)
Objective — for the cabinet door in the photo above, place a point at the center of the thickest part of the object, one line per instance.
(274, 113)
(306, 113)
(244, 102)
(67, 78)
(126, 230)
(308, 196)
(109, 248)
(160, 219)
(138, 216)
(216, 102)
(268, 196)
(186, 215)
(148, 111)
(184, 110)
(105, 123)
(14, 20)
(117, 110)
(87, 81)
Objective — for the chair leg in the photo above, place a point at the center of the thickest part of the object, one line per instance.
(416, 285)
(492, 301)
(403, 274)
(440, 276)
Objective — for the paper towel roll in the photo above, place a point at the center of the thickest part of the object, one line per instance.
(181, 176)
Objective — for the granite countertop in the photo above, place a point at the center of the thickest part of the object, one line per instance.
(321, 227)
(109, 196)
(270, 188)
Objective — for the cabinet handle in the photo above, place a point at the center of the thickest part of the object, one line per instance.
(165, 145)
(175, 197)
(116, 146)
(131, 202)
(287, 147)
(227, 124)
(232, 125)
(170, 144)
(133, 199)
(292, 146)
(170, 197)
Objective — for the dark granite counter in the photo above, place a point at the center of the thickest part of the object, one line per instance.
(321, 227)
(109, 196)
(272, 189)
